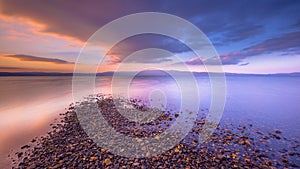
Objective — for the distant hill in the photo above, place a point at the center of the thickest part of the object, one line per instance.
(143, 73)
(34, 74)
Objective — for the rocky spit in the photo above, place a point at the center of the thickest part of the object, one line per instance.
(231, 146)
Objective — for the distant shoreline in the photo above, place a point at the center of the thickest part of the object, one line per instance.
(144, 73)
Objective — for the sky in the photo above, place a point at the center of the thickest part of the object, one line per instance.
(260, 37)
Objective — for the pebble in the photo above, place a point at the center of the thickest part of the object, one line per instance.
(68, 146)
(25, 146)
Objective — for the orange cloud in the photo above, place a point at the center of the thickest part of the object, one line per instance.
(37, 59)
(33, 27)
(25, 63)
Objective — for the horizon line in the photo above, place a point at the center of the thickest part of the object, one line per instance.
(111, 73)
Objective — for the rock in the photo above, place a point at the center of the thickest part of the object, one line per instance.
(107, 162)
(262, 155)
(32, 166)
(68, 146)
(258, 132)
(275, 136)
(247, 142)
(247, 160)
(285, 160)
(93, 158)
(20, 154)
(235, 166)
(277, 131)
(220, 156)
(56, 166)
(233, 155)
(136, 164)
(291, 153)
(25, 146)
(242, 142)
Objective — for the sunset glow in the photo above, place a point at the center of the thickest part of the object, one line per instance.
(255, 48)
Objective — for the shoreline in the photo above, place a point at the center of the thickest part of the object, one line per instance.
(67, 145)
(11, 157)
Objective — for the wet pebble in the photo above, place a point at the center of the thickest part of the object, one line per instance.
(68, 146)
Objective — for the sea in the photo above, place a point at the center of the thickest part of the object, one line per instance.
(28, 104)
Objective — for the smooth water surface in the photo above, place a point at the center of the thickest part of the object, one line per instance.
(29, 104)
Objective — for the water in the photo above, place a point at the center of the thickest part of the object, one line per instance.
(29, 104)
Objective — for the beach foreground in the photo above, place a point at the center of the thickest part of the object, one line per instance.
(231, 146)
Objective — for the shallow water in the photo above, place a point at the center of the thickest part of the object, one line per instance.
(29, 104)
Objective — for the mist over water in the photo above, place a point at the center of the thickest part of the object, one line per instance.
(29, 104)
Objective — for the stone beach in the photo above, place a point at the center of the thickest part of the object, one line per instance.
(67, 145)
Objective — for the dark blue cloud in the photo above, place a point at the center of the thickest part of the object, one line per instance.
(284, 44)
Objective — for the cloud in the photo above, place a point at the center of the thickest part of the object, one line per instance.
(296, 24)
(37, 59)
(225, 23)
(194, 61)
(244, 64)
(285, 44)
(232, 20)
(73, 19)
(13, 68)
(140, 42)
(281, 43)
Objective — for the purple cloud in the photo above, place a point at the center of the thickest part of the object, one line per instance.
(287, 43)
(223, 21)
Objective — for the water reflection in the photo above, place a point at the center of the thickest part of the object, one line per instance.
(29, 104)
